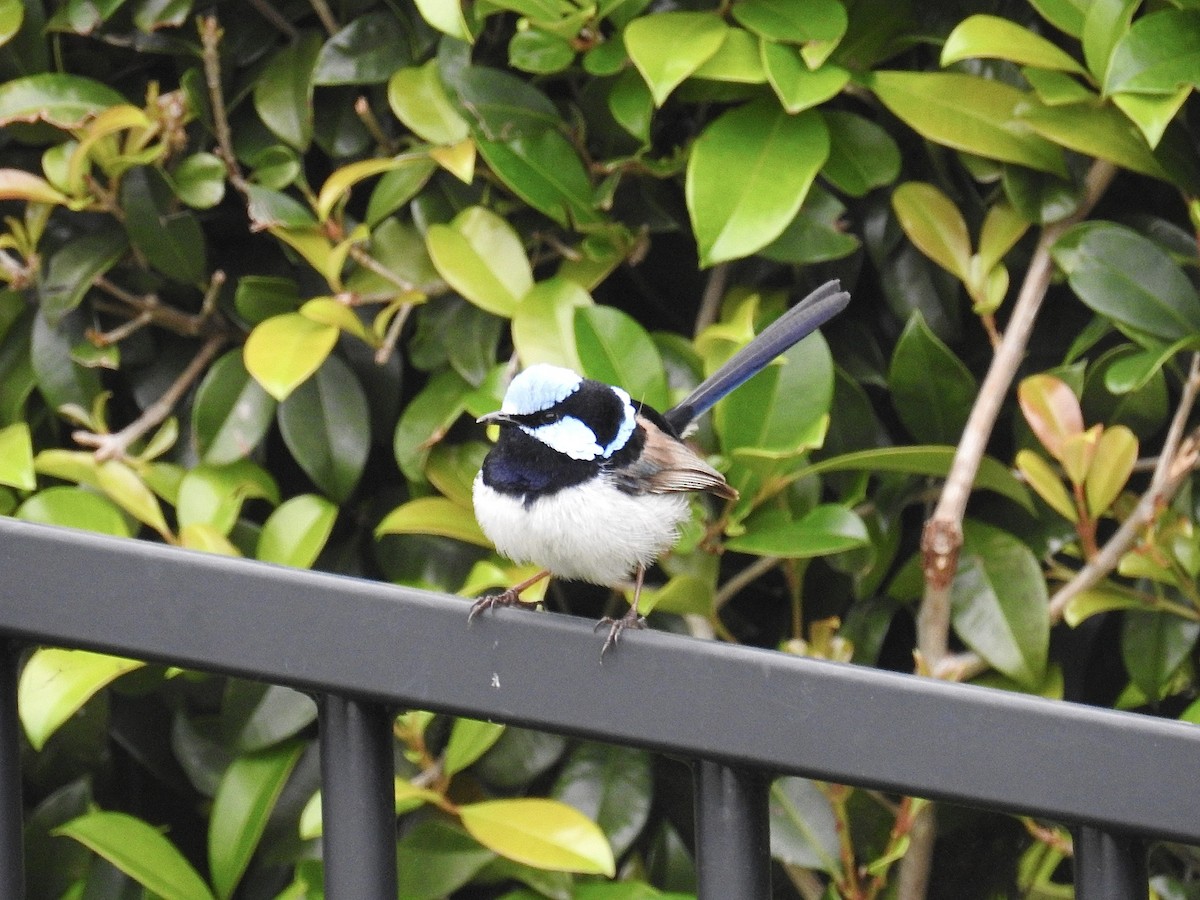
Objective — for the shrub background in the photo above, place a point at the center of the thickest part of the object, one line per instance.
(265, 262)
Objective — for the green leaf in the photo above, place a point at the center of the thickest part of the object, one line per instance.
(612, 786)
(213, 494)
(1065, 15)
(140, 851)
(199, 180)
(70, 271)
(446, 16)
(243, 803)
(1100, 599)
(934, 224)
(283, 92)
(543, 168)
(16, 457)
(74, 507)
(862, 155)
(1099, 131)
(170, 239)
(426, 419)
(669, 46)
(748, 175)
(737, 61)
(326, 425)
(231, 412)
(1152, 114)
(1159, 54)
(1047, 483)
(992, 37)
(366, 51)
(631, 104)
(828, 528)
(794, 23)
(1052, 411)
(60, 379)
(999, 603)
(1153, 646)
(965, 112)
(12, 14)
(817, 234)
(433, 515)
(126, 488)
(419, 100)
(932, 391)
(279, 714)
(469, 740)
(259, 297)
(541, 833)
(1116, 454)
(1130, 279)
(296, 532)
(481, 256)
(804, 829)
(284, 351)
(56, 683)
(435, 859)
(1105, 21)
(796, 85)
(539, 52)
(543, 325)
(62, 100)
(615, 349)
(396, 188)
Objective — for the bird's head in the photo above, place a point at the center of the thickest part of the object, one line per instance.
(576, 416)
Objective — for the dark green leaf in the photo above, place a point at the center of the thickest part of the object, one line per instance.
(283, 93)
(1159, 54)
(1128, 278)
(366, 51)
(326, 426)
(1153, 646)
(539, 52)
(436, 858)
(615, 349)
(65, 101)
(817, 234)
(862, 156)
(59, 378)
(932, 391)
(804, 830)
(426, 419)
(231, 412)
(611, 786)
(828, 528)
(279, 715)
(543, 168)
(169, 238)
(70, 271)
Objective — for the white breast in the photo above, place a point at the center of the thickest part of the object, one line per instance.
(590, 532)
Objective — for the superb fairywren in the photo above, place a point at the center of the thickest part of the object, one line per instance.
(590, 484)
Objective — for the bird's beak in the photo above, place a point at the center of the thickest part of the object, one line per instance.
(495, 418)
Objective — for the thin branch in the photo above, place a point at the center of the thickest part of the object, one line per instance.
(710, 301)
(384, 353)
(272, 15)
(210, 41)
(150, 308)
(325, 14)
(734, 585)
(116, 445)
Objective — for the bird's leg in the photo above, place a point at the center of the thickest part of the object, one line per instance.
(506, 598)
(631, 619)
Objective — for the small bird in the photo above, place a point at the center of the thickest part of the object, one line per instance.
(591, 485)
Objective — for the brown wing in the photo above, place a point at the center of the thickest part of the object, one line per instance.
(668, 465)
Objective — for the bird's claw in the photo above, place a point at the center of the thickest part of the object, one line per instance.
(506, 598)
(631, 619)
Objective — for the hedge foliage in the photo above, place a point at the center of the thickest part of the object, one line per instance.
(264, 263)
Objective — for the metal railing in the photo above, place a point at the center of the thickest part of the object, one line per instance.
(742, 715)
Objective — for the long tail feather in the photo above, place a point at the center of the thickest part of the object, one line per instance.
(797, 323)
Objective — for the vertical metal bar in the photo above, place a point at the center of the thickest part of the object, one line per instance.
(12, 824)
(357, 799)
(733, 836)
(1109, 866)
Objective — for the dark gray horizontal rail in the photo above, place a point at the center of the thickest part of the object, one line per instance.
(733, 704)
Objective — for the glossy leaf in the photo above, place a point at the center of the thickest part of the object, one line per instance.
(668, 47)
(419, 100)
(481, 257)
(433, 515)
(446, 16)
(932, 390)
(1153, 646)
(1116, 454)
(140, 851)
(284, 351)
(543, 325)
(17, 184)
(997, 38)
(71, 270)
(796, 85)
(55, 684)
(283, 93)
(1047, 483)
(280, 713)
(1077, 453)
(469, 740)
(214, 494)
(73, 507)
(1151, 113)
(862, 155)
(231, 412)
(1066, 15)
(365, 51)
(1099, 131)
(934, 224)
(1100, 599)
(326, 426)
(243, 803)
(426, 419)
(747, 176)
(199, 180)
(171, 240)
(543, 168)
(60, 99)
(737, 60)
(1128, 278)
(127, 489)
(435, 859)
(16, 457)
(1051, 409)
(541, 833)
(1104, 22)
(999, 603)
(804, 829)
(295, 532)
(965, 112)
(828, 528)
(784, 21)
(1158, 55)
(611, 786)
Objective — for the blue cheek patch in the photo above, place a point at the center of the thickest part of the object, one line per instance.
(540, 387)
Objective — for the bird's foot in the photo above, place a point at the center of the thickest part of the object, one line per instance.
(631, 619)
(511, 597)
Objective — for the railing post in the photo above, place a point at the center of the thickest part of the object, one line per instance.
(357, 799)
(1109, 866)
(733, 838)
(12, 822)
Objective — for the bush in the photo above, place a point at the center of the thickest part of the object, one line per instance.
(264, 263)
